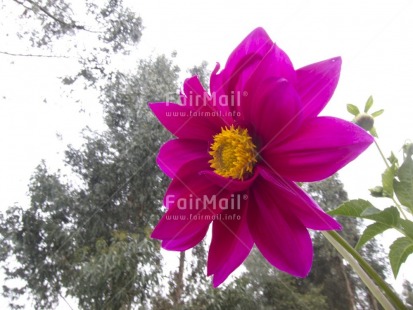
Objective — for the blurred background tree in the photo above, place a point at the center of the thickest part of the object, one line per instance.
(86, 234)
(408, 294)
(89, 237)
(94, 33)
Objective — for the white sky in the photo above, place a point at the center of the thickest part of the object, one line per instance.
(374, 38)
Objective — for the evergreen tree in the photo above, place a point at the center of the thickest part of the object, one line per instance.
(86, 234)
(189, 279)
(90, 239)
(93, 33)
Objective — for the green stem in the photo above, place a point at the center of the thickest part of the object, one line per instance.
(400, 208)
(379, 288)
(381, 153)
(388, 167)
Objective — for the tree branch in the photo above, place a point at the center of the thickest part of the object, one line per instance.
(32, 55)
(72, 25)
(61, 22)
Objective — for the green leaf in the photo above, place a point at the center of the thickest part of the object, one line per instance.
(399, 251)
(407, 228)
(387, 181)
(377, 113)
(355, 208)
(408, 149)
(404, 192)
(405, 172)
(369, 104)
(370, 232)
(393, 159)
(352, 109)
(404, 186)
(376, 191)
(389, 216)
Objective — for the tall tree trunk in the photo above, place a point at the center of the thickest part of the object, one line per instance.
(373, 301)
(179, 280)
(349, 287)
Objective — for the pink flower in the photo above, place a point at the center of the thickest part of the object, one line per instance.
(238, 152)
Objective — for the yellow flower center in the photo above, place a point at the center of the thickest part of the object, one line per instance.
(233, 153)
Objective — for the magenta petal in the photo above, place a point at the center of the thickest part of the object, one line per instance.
(183, 123)
(272, 107)
(319, 149)
(203, 105)
(189, 215)
(184, 242)
(316, 84)
(272, 110)
(229, 84)
(187, 181)
(230, 184)
(256, 43)
(218, 96)
(192, 203)
(278, 233)
(175, 153)
(243, 60)
(231, 243)
(194, 93)
(300, 203)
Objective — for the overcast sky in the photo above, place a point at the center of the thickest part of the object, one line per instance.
(374, 38)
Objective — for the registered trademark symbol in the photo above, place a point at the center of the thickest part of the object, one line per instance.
(245, 93)
(245, 196)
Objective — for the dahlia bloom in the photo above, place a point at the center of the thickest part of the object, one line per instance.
(239, 151)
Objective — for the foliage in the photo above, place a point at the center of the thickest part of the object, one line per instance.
(397, 185)
(343, 288)
(110, 22)
(93, 33)
(408, 294)
(202, 72)
(397, 182)
(90, 239)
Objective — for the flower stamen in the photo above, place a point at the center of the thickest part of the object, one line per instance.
(233, 153)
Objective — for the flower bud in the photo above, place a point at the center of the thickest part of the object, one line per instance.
(365, 121)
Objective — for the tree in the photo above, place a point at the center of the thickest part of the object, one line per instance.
(341, 285)
(89, 238)
(87, 234)
(408, 294)
(92, 32)
(273, 289)
(189, 279)
(110, 22)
